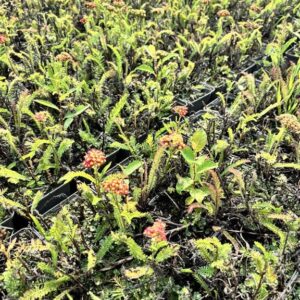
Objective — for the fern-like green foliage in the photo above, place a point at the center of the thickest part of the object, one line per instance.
(118, 61)
(63, 231)
(267, 214)
(74, 174)
(48, 287)
(105, 246)
(89, 138)
(108, 74)
(134, 249)
(153, 171)
(262, 271)
(35, 147)
(92, 259)
(214, 252)
(130, 212)
(11, 140)
(166, 252)
(12, 278)
(64, 146)
(45, 160)
(10, 175)
(115, 113)
(206, 271)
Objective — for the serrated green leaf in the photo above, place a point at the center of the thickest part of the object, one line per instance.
(73, 174)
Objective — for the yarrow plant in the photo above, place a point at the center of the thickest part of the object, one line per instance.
(157, 231)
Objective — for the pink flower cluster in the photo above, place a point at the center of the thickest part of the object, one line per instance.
(94, 158)
(157, 231)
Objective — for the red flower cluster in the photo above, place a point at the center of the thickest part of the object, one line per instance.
(157, 231)
(41, 116)
(94, 158)
(181, 110)
(173, 140)
(83, 20)
(116, 186)
(2, 39)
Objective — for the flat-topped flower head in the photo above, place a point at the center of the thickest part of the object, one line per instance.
(116, 186)
(94, 158)
(41, 116)
(173, 140)
(181, 110)
(3, 39)
(157, 231)
(223, 13)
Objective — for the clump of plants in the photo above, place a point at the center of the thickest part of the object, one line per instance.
(149, 149)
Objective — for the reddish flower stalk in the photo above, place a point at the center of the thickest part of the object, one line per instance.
(157, 231)
(94, 158)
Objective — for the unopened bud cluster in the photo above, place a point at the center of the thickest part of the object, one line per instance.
(41, 116)
(290, 122)
(223, 13)
(90, 5)
(94, 158)
(181, 110)
(157, 231)
(173, 140)
(116, 186)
